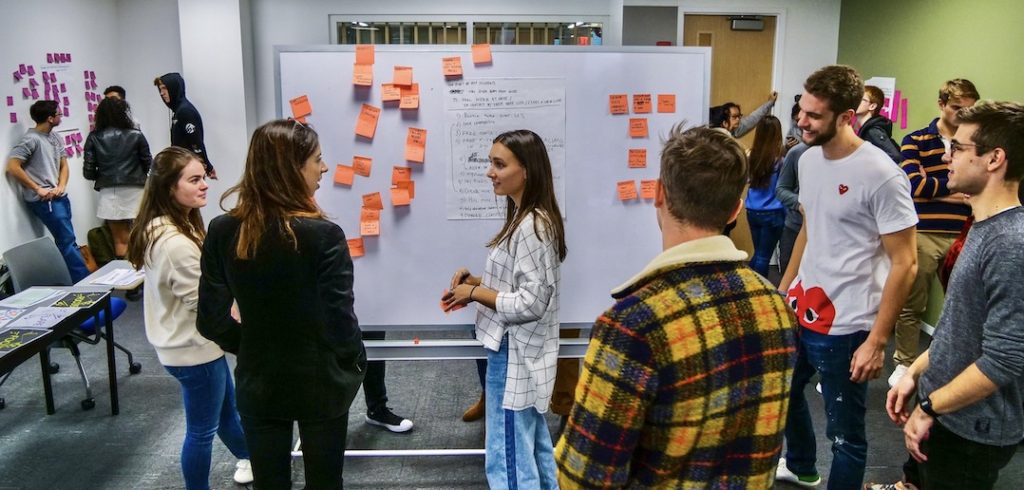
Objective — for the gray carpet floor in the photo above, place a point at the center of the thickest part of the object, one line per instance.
(139, 449)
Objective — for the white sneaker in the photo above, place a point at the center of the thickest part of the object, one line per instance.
(243, 472)
(782, 473)
(817, 387)
(897, 374)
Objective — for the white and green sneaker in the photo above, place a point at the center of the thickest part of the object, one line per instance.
(782, 473)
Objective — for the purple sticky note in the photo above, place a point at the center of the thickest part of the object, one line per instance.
(17, 76)
(92, 118)
(69, 151)
(92, 75)
(85, 73)
(63, 88)
(93, 84)
(35, 94)
(92, 107)
(67, 113)
(32, 82)
(67, 139)
(49, 57)
(14, 117)
(53, 77)
(46, 76)
(78, 137)
(69, 57)
(31, 70)
(26, 92)
(894, 114)
(10, 101)
(87, 85)
(22, 69)
(65, 101)
(88, 96)
(903, 113)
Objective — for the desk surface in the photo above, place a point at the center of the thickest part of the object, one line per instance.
(113, 265)
(29, 347)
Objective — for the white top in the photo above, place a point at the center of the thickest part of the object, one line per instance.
(848, 204)
(526, 275)
(171, 297)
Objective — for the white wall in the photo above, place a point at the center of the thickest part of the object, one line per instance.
(645, 26)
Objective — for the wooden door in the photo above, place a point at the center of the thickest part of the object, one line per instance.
(741, 72)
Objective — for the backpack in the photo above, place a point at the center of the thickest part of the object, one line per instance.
(101, 244)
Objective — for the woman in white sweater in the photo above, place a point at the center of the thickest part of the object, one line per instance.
(166, 240)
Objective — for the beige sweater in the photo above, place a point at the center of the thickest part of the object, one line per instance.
(171, 298)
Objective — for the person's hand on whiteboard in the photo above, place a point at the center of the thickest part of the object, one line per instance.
(463, 276)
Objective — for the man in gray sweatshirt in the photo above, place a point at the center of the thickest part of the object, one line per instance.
(970, 382)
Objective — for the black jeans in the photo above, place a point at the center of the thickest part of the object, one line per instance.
(374, 389)
(958, 463)
(323, 451)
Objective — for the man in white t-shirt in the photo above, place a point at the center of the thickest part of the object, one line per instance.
(851, 270)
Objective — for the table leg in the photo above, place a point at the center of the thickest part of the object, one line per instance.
(111, 360)
(44, 361)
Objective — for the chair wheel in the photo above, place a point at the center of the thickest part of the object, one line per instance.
(54, 368)
(88, 404)
(135, 368)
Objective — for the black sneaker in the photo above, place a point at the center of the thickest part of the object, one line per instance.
(385, 418)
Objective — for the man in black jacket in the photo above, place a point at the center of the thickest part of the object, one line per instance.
(875, 128)
(186, 124)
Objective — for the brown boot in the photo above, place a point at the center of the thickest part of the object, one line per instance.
(476, 412)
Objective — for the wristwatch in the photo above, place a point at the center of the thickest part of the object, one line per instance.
(926, 407)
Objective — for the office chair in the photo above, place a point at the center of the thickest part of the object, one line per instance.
(39, 263)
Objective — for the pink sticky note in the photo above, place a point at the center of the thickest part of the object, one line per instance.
(49, 57)
(65, 101)
(69, 57)
(31, 70)
(92, 118)
(92, 84)
(67, 113)
(92, 75)
(903, 113)
(35, 94)
(14, 117)
(63, 87)
(26, 92)
(22, 69)
(32, 82)
(69, 151)
(10, 101)
(67, 139)
(895, 113)
(17, 76)
(87, 85)
(85, 73)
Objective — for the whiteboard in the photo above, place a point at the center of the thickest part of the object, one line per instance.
(399, 281)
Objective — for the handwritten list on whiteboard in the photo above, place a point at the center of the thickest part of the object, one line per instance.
(476, 111)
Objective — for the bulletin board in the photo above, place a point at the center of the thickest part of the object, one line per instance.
(564, 93)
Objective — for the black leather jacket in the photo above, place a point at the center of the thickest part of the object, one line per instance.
(117, 157)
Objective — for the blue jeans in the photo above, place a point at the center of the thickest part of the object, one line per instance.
(519, 450)
(829, 356)
(765, 229)
(209, 396)
(56, 215)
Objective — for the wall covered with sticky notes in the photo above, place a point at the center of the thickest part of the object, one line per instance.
(406, 120)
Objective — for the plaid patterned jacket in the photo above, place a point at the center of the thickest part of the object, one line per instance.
(686, 381)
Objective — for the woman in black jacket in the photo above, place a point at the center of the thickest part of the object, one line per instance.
(117, 157)
(299, 347)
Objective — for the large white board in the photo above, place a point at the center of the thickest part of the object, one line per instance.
(400, 279)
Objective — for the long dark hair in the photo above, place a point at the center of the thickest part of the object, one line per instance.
(113, 113)
(766, 152)
(539, 194)
(158, 200)
(272, 190)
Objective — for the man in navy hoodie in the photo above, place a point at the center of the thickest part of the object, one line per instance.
(186, 124)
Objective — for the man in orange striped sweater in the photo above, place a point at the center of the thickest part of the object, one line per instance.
(941, 213)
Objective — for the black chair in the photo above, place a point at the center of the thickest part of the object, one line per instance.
(39, 263)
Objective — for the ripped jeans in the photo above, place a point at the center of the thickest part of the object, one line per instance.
(828, 355)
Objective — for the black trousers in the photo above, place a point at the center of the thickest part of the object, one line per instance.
(323, 451)
(956, 463)
(374, 389)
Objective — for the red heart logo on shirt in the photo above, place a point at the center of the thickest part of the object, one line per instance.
(843, 189)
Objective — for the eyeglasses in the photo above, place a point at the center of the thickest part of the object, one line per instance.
(736, 116)
(956, 146)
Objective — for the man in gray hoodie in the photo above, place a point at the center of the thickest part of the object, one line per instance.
(969, 383)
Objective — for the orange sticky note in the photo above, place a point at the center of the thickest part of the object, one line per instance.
(355, 247)
(390, 92)
(409, 186)
(301, 107)
(627, 190)
(415, 144)
(399, 174)
(452, 66)
(403, 75)
(618, 104)
(481, 53)
(362, 75)
(410, 97)
(373, 201)
(641, 103)
(366, 125)
(400, 196)
(369, 228)
(369, 214)
(364, 54)
(453, 308)
(343, 174)
(637, 158)
(667, 103)
(647, 188)
(362, 165)
(638, 127)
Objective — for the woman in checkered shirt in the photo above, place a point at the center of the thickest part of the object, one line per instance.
(517, 313)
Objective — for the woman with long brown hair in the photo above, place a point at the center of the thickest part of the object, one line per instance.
(166, 242)
(765, 213)
(299, 347)
(517, 313)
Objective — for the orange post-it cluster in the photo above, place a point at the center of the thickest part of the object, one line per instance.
(618, 104)
(637, 158)
(301, 107)
(647, 188)
(362, 165)
(638, 127)
(641, 103)
(344, 175)
(416, 145)
(627, 190)
(355, 247)
(667, 103)
(366, 124)
(452, 66)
